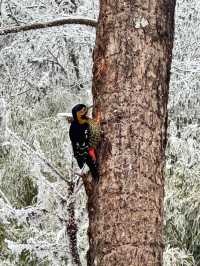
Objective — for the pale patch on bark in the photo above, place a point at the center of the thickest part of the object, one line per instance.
(141, 22)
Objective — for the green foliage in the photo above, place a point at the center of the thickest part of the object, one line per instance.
(28, 192)
(2, 236)
(27, 259)
(16, 181)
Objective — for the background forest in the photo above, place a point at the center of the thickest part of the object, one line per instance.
(45, 72)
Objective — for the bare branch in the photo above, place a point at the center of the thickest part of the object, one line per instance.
(56, 61)
(48, 24)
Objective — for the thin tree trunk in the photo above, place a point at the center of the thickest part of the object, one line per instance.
(72, 228)
(132, 61)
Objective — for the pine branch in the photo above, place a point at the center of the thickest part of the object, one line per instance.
(49, 24)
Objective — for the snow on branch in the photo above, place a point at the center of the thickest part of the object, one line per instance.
(9, 213)
(48, 163)
(48, 24)
(2, 195)
(3, 121)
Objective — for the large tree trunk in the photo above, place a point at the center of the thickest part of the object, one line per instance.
(132, 61)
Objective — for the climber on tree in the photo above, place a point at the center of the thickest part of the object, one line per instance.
(85, 134)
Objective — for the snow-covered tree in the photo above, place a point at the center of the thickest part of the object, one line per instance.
(43, 73)
(182, 201)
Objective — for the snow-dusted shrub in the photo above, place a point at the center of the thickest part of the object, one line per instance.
(178, 257)
(42, 73)
(182, 200)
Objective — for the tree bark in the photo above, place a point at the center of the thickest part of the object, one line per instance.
(72, 228)
(132, 60)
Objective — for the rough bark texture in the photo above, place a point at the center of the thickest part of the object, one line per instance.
(72, 228)
(132, 61)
